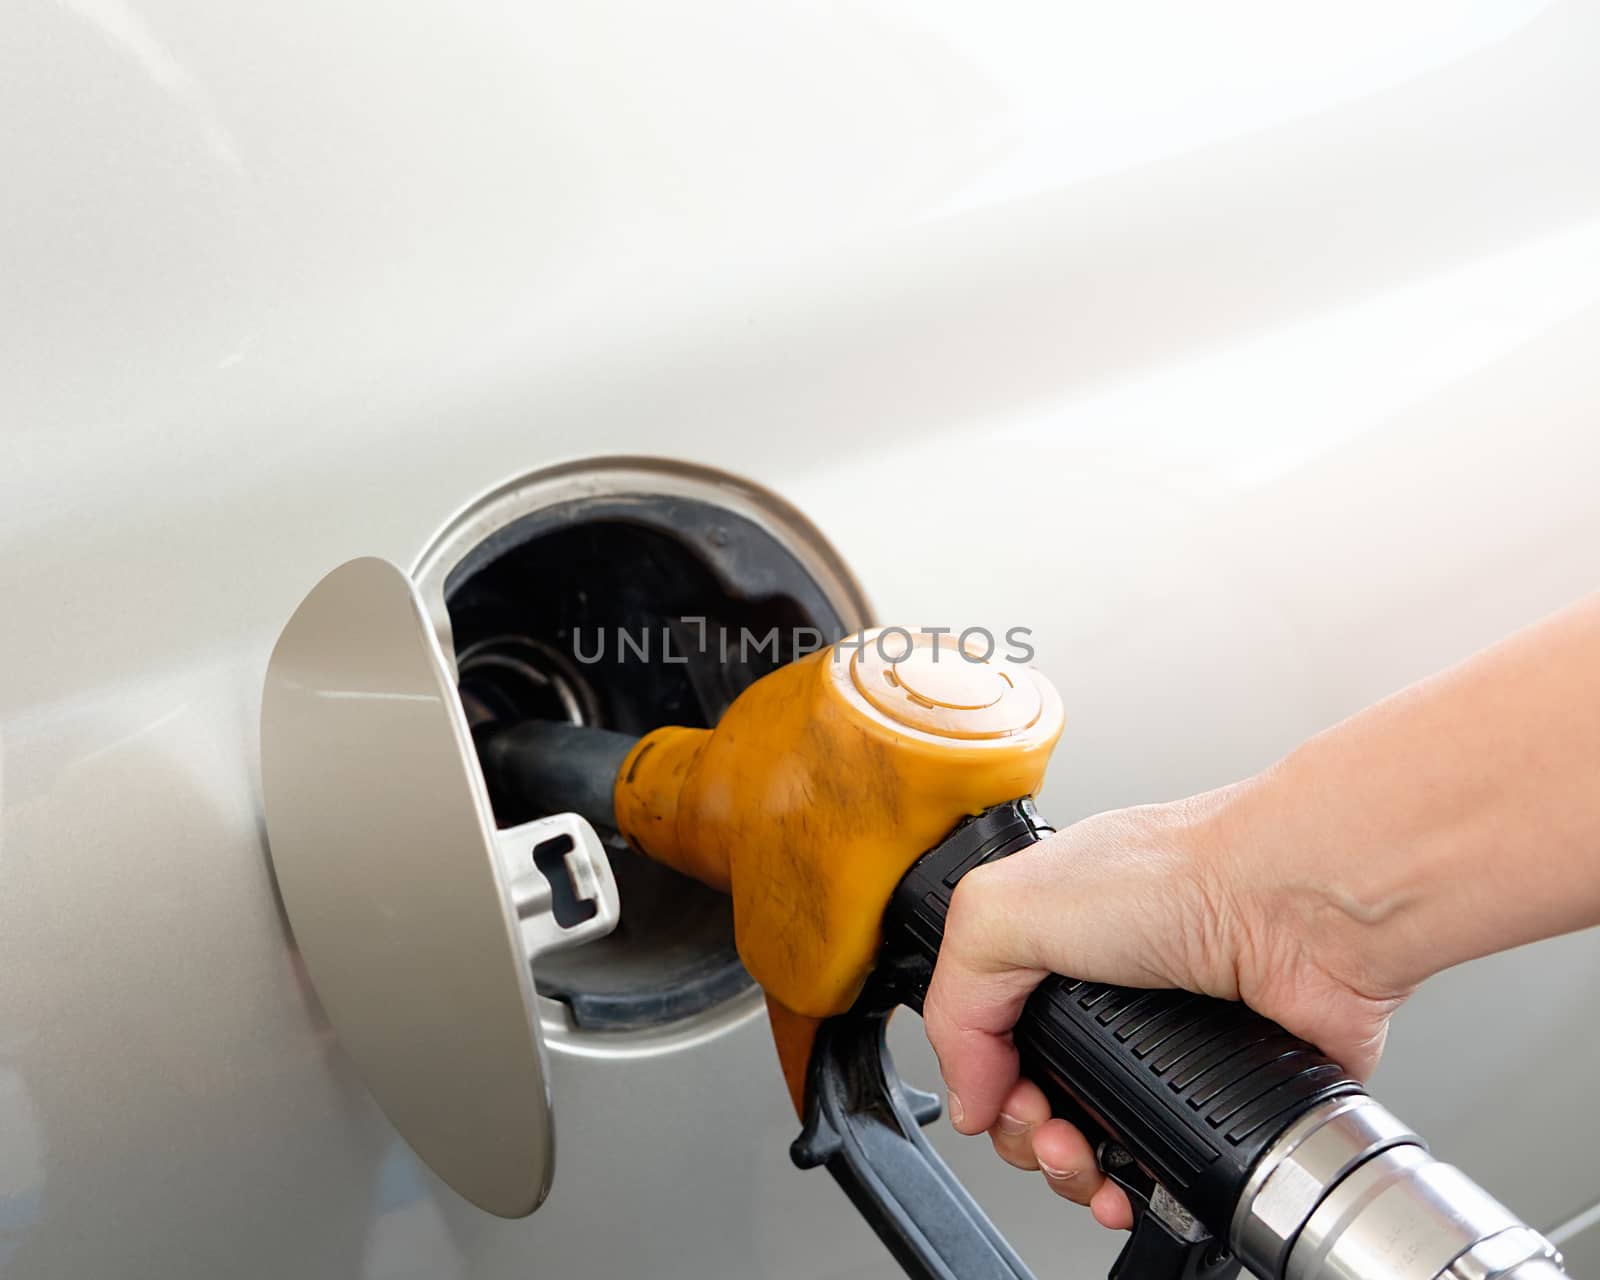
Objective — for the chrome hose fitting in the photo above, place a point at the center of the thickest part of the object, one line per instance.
(1348, 1192)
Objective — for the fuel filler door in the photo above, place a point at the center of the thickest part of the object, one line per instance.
(419, 923)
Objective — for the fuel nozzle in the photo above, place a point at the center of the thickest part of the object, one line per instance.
(840, 800)
(823, 783)
(820, 785)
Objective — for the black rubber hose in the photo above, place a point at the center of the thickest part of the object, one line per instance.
(548, 766)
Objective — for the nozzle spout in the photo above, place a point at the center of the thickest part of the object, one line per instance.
(552, 767)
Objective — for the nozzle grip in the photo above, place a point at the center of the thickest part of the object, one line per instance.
(1194, 1088)
(863, 1122)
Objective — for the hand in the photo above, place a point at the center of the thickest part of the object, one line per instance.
(1161, 896)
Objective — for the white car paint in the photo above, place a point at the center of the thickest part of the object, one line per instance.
(1246, 353)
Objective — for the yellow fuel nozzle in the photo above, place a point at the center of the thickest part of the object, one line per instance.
(819, 787)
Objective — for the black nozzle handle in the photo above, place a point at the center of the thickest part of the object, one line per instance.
(862, 1122)
(1194, 1088)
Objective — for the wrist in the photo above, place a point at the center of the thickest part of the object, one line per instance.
(1308, 887)
(1332, 877)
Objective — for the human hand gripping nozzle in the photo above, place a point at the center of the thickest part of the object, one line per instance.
(840, 800)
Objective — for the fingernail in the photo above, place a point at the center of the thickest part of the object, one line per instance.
(1057, 1175)
(956, 1111)
(1011, 1126)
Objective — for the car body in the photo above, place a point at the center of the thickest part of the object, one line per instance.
(1246, 355)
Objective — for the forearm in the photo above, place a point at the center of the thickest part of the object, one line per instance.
(1457, 818)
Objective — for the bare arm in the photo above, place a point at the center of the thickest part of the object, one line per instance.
(1457, 818)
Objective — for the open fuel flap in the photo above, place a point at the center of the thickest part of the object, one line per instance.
(418, 921)
(450, 932)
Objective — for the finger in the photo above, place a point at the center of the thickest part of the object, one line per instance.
(1111, 1208)
(1023, 1110)
(973, 1002)
(1067, 1161)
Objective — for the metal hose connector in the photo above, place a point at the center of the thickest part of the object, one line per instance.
(1349, 1193)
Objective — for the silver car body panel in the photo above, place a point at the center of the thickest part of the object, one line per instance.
(1246, 354)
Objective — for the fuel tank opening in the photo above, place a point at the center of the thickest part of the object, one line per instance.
(628, 594)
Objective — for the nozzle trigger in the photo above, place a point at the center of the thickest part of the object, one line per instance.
(1166, 1240)
(863, 1122)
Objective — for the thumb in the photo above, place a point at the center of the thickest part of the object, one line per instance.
(974, 1000)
